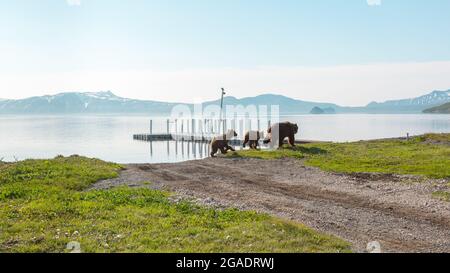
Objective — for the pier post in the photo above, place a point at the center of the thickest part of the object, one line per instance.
(188, 149)
(151, 127)
(194, 149)
(241, 127)
(205, 128)
(259, 125)
(176, 126)
(182, 147)
(168, 126)
(193, 129)
(200, 128)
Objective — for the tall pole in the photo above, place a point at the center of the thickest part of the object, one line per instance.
(221, 106)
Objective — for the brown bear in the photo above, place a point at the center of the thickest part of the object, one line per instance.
(280, 131)
(221, 143)
(252, 138)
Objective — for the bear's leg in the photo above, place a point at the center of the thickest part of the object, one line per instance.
(281, 142)
(223, 150)
(214, 151)
(292, 140)
(255, 144)
(246, 140)
(229, 148)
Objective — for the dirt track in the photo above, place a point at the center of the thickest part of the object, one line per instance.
(397, 211)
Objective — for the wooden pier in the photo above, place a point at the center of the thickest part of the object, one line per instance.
(148, 137)
(202, 131)
(198, 130)
(182, 138)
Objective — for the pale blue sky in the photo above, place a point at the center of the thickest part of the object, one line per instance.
(163, 39)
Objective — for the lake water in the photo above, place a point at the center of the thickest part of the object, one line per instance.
(110, 137)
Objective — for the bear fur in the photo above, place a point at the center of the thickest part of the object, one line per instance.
(252, 138)
(280, 131)
(221, 143)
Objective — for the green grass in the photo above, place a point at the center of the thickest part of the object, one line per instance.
(438, 138)
(427, 155)
(44, 206)
(442, 195)
(263, 154)
(72, 173)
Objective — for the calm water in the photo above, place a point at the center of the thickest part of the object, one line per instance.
(110, 137)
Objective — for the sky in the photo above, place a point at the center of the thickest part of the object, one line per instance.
(349, 52)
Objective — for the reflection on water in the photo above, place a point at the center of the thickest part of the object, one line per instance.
(110, 137)
(179, 150)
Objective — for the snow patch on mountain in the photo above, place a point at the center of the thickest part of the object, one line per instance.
(49, 98)
(434, 98)
(107, 95)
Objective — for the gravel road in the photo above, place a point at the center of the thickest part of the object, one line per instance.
(397, 211)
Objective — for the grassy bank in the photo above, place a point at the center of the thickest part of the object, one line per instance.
(427, 155)
(442, 195)
(44, 206)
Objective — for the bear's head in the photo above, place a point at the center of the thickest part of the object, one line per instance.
(295, 127)
(231, 134)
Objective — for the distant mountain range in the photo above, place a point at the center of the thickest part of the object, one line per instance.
(287, 105)
(107, 102)
(79, 103)
(442, 109)
(419, 104)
